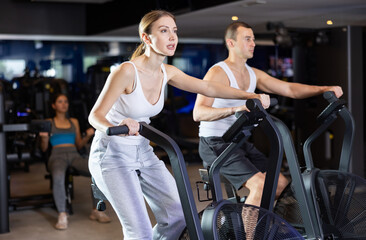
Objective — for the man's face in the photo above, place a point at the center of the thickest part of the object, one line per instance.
(244, 43)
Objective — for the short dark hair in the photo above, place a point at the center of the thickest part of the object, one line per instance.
(232, 29)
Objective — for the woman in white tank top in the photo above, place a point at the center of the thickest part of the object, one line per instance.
(135, 92)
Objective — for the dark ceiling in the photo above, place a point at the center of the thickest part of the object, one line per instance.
(208, 18)
(118, 14)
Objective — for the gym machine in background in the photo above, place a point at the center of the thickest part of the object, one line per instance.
(33, 126)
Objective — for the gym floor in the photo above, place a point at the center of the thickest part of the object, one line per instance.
(38, 223)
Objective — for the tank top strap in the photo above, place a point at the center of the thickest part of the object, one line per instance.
(72, 124)
(165, 79)
(136, 74)
(53, 125)
(229, 74)
(253, 79)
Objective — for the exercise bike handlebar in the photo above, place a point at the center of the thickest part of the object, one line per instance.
(330, 96)
(117, 130)
(251, 105)
(247, 119)
(336, 107)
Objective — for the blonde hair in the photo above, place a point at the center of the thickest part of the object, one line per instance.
(232, 30)
(145, 27)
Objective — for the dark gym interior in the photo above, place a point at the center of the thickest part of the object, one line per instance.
(70, 47)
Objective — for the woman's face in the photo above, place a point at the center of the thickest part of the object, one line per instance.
(163, 37)
(61, 104)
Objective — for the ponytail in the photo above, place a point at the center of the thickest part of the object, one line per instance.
(138, 51)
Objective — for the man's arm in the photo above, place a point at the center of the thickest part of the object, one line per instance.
(203, 110)
(270, 84)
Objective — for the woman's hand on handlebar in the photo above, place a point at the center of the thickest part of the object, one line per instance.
(132, 125)
(264, 98)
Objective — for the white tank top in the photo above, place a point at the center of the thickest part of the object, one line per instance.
(135, 105)
(217, 128)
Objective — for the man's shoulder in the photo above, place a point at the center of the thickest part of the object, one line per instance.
(216, 69)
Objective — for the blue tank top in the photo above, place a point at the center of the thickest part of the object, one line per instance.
(62, 135)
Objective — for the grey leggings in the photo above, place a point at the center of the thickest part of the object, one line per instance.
(113, 166)
(61, 158)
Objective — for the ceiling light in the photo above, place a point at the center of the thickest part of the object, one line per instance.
(234, 18)
(329, 22)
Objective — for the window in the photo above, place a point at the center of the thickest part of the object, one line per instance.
(11, 68)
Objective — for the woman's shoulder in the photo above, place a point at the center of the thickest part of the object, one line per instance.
(170, 67)
(171, 70)
(74, 120)
(125, 69)
(127, 65)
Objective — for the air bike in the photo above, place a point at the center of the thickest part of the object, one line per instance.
(324, 204)
(222, 219)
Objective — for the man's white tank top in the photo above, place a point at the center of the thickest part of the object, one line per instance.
(135, 105)
(218, 128)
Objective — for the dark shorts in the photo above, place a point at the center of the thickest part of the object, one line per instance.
(241, 165)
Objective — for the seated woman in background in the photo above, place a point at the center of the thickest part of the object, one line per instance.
(66, 140)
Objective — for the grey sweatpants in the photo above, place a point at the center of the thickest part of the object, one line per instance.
(113, 166)
(61, 158)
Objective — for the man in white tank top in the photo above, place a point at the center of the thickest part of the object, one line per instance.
(245, 167)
